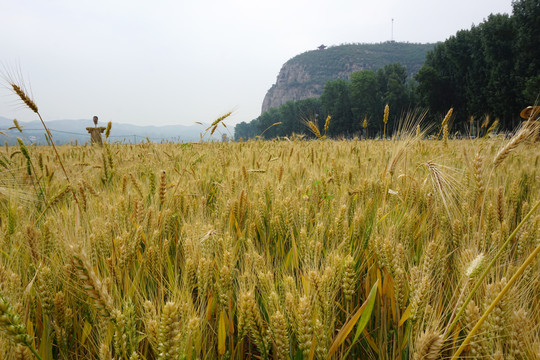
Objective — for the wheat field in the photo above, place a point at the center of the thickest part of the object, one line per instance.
(284, 249)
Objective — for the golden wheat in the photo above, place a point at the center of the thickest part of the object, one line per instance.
(279, 249)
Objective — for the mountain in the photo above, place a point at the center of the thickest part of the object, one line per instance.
(304, 75)
(66, 131)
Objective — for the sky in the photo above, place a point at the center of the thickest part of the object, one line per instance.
(179, 62)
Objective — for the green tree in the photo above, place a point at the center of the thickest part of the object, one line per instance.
(430, 88)
(267, 124)
(526, 15)
(392, 80)
(365, 98)
(498, 34)
(336, 102)
(293, 112)
(245, 130)
(493, 68)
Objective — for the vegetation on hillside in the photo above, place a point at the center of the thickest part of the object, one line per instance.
(324, 65)
(349, 103)
(487, 74)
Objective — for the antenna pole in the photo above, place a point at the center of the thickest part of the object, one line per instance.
(392, 31)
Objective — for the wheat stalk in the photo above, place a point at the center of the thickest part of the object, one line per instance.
(385, 119)
(429, 346)
(91, 284)
(326, 124)
(313, 128)
(496, 301)
(488, 268)
(27, 100)
(13, 326)
(528, 129)
(445, 121)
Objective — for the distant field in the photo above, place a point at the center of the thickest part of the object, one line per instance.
(271, 249)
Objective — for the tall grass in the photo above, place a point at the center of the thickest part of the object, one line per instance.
(272, 249)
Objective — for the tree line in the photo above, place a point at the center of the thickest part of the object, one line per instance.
(491, 72)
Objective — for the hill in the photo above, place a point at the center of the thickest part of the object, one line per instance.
(65, 131)
(304, 75)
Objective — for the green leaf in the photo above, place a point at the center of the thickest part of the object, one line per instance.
(405, 315)
(363, 313)
(222, 334)
(86, 331)
(367, 313)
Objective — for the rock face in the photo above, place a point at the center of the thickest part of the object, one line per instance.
(304, 75)
(294, 82)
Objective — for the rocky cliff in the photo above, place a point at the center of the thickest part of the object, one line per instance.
(304, 75)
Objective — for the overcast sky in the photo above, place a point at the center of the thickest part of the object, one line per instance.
(177, 62)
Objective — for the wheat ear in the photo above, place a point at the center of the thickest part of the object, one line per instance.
(93, 287)
(527, 130)
(13, 326)
(32, 106)
(488, 268)
(429, 346)
(494, 303)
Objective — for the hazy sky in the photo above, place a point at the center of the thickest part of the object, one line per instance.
(176, 62)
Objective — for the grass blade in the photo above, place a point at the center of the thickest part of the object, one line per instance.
(363, 313)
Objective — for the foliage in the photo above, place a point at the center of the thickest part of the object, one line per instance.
(348, 102)
(324, 65)
(289, 117)
(488, 74)
(336, 101)
(491, 69)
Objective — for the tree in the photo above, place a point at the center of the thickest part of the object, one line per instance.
(430, 88)
(365, 98)
(498, 35)
(245, 130)
(268, 124)
(392, 81)
(493, 68)
(525, 16)
(336, 102)
(293, 112)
